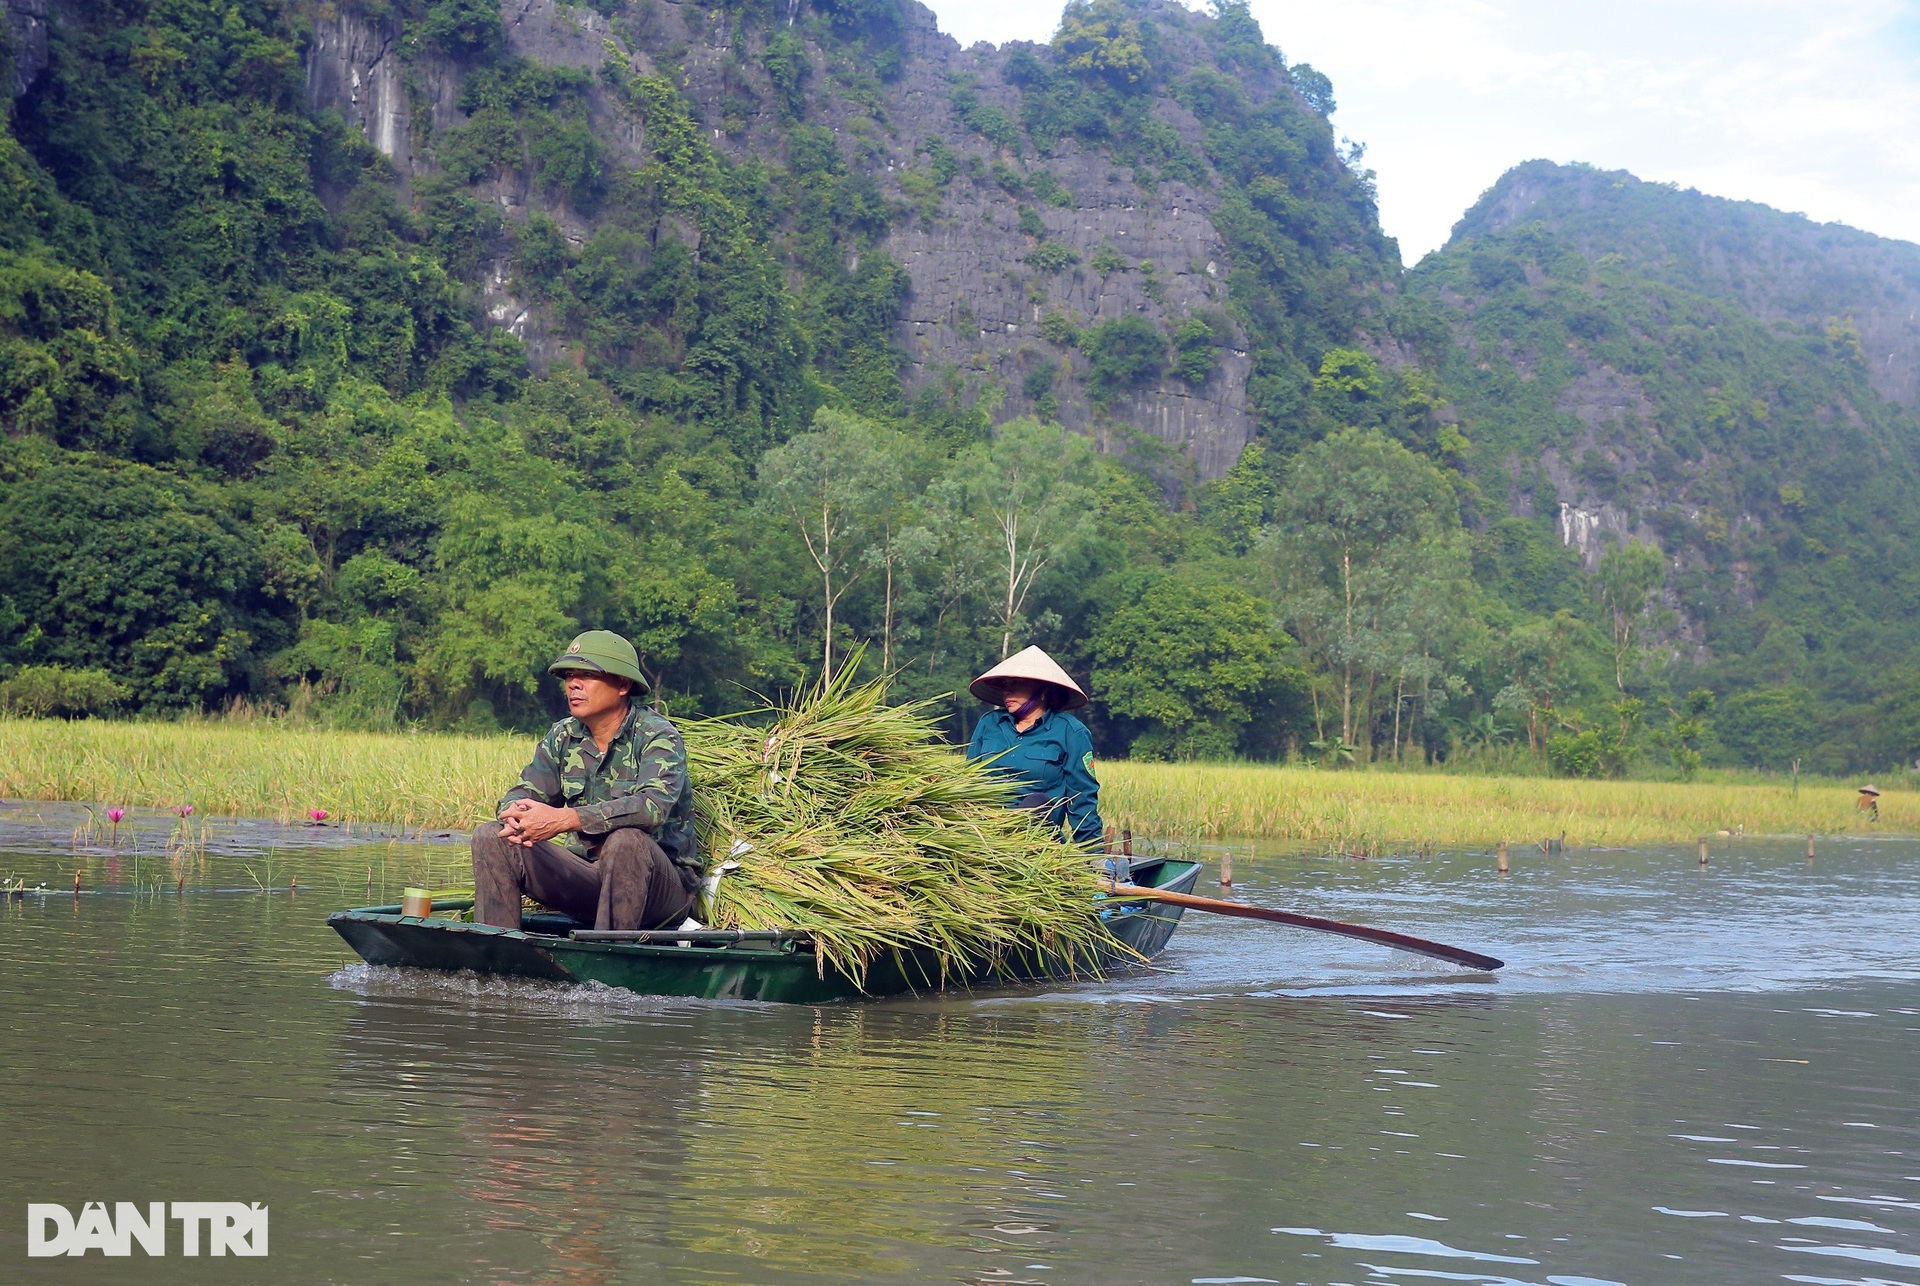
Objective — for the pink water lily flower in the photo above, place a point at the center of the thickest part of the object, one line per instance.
(115, 814)
(183, 810)
(318, 814)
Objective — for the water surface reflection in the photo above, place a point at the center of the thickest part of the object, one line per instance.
(1683, 1078)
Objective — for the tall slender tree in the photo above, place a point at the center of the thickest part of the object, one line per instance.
(1367, 532)
(1029, 496)
(1626, 580)
(840, 486)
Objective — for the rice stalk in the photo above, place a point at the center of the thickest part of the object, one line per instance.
(853, 822)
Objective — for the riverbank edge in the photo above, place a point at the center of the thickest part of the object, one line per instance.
(444, 781)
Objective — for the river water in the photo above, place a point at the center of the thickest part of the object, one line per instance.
(1684, 1075)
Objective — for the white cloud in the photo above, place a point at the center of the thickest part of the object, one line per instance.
(1806, 106)
(996, 21)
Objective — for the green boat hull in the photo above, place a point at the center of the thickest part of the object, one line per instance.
(786, 972)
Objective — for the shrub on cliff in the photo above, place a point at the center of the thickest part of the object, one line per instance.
(1122, 355)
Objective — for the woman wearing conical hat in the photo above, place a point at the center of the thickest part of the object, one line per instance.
(1046, 753)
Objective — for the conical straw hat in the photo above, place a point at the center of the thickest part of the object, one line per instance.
(1029, 663)
(1867, 789)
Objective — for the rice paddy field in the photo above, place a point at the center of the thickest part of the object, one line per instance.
(1374, 812)
(433, 781)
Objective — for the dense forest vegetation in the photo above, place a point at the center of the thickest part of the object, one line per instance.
(263, 443)
(1722, 408)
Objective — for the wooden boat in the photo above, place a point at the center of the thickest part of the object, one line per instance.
(724, 964)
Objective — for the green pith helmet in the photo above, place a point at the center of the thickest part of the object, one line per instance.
(603, 652)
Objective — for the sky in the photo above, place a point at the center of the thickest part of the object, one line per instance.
(1811, 106)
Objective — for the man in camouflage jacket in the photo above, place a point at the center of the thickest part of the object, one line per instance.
(600, 826)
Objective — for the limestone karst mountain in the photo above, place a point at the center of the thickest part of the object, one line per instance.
(351, 353)
(1027, 192)
(1778, 267)
(1729, 383)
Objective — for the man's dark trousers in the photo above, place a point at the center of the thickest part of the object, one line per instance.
(630, 884)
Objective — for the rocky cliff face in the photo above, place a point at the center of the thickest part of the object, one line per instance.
(353, 67)
(972, 316)
(1612, 410)
(26, 45)
(975, 307)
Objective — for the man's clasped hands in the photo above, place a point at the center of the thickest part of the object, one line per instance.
(526, 822)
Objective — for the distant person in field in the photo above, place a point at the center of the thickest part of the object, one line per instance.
(601, 825)
(1044, 752)
(1869, 802)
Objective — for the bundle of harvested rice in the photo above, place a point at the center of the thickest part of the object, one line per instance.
(852, 821)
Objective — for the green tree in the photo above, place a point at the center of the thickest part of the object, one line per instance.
(1686, 729)
(904, 548)
(788, 67)
(1627, 578)
(1538, 660)
(460, 29)
(129, 570)
(839, 488)
(1186, 657)
(1029, 497)
(1604, 751)
(1367, 559)
(63, 360)
(1348, 389)
(1100, 38)
(354, 668)
(1427, 634)
(48, 690)
(1235, 507)
(513, 561)
(1767, 727)
(1107, 260)
(951, 571)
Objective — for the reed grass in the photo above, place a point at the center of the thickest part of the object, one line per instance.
(431, 781)
(848, 818)
(265, 770)
(1371, 811)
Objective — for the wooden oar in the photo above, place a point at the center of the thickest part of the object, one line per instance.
(1385, 937)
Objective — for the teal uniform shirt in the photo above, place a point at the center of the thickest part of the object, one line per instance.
(1053, 758)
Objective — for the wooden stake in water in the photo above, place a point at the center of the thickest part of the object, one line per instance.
(76, 884)
(1500, 857)
(1809, 848)
(1703, 852)
(1226, 870)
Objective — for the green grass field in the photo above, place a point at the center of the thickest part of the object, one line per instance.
(1384, 811)
(428, 780)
